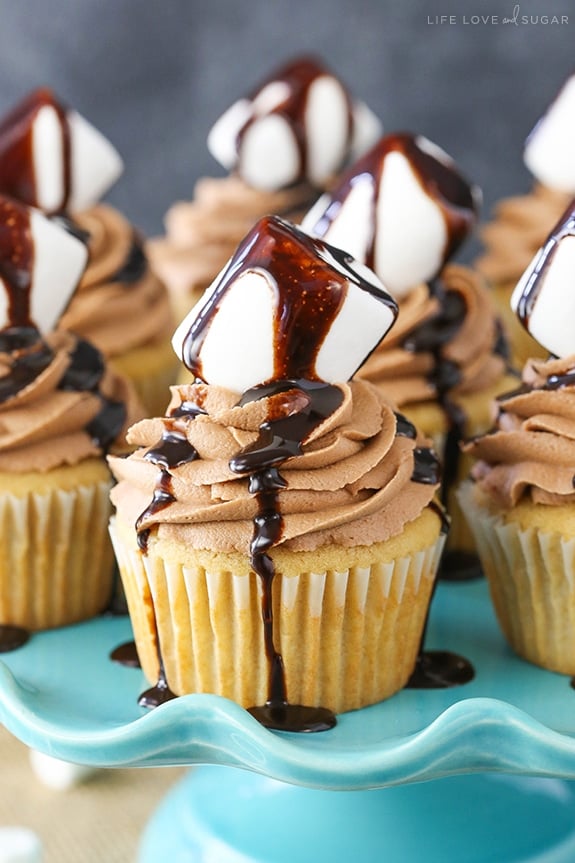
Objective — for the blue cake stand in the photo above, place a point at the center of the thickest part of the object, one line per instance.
(478, 774)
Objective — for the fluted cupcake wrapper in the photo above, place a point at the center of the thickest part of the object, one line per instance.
(347, 638)
(531, 576)
(57, 563)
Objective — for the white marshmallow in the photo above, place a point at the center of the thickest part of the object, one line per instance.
(411, 232)
(351, 228)
(267, 155)
(57, 774)
(238, 349)
(58, 263)
(19, 845)
(95, 163)
(552, 313)
(550, 148)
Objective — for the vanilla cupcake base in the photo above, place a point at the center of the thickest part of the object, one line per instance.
(57, 565)
(522, 345)
(531, 573)
(151, 369)
(348, 622)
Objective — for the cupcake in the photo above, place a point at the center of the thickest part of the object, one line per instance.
(404, 209)
(60, 411)
(521, 223)
(276, 531)
(521, 501)
(281, 144)
(53, 159)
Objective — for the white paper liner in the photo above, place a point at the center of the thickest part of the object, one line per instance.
(347, 638)
(531, 577)
(57, 563)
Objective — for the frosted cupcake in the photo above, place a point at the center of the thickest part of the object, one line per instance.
(282, 144)
(275, 482)
(404, 209)
(53, 159)
(521, 224)
(60, 411)
(521, 505)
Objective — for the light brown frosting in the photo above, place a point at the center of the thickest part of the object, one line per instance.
(351, 486)
(404, 375)
(113, 315)
(519, 228)
(531, 453)
(43, 427)
(202, 235)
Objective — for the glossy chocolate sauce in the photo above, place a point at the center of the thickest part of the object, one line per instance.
(12, 637)
(126, 654)
(534, 284)
(134, 267)
(298, 77)
(440, 182)
(18, 169)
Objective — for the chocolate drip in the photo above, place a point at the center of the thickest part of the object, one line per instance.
(126, 654)
(158, 694)
(439, 181)
(426, 467)
(172, 450)
(289, 257)
(440, 669)
(84, 374)
(404, 427)
(17, 164)
(28, 356)
(16, 262)
(12, 637)
(280, 438)
(298, 76)
(135, 266)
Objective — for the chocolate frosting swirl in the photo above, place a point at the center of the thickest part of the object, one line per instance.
(119, 304)
(202, 235)
(352, 484)
(404, 366)
(530, 454)
(56, 419)
(519, 228)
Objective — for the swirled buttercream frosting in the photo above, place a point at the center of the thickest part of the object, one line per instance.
(58, 403)
(530, 454)
(360, 476)
(519, 227)
(120, 303)
(446, 339)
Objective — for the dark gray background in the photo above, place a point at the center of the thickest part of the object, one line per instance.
(153, 75)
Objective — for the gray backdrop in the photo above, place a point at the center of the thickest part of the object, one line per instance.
(154, 74)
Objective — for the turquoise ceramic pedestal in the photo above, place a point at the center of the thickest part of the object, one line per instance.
(478, 774)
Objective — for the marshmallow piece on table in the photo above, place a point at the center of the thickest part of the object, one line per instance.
(550, 147)
(544, 298)
(40, 266)
(301, 124)
(57, 774)
(52, 158)
(403, 209)
(19, 845)
(286, 307)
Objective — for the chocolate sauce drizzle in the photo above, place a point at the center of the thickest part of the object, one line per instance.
(134, 267)
(12, 637)
(298, 76)
(17, 163)
(441, 182)
(126, 654)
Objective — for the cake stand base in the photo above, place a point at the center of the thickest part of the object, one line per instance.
(232, 816)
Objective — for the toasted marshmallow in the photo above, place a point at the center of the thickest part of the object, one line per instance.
(286, 307)
(550, 147)
(40, 267)
(300, 125)
(544, 298)
(403, 209)
(19, 845)
(52, 158)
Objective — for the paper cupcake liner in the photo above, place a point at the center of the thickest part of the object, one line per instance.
(531, 576)
(57, 562)
(348, 638)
